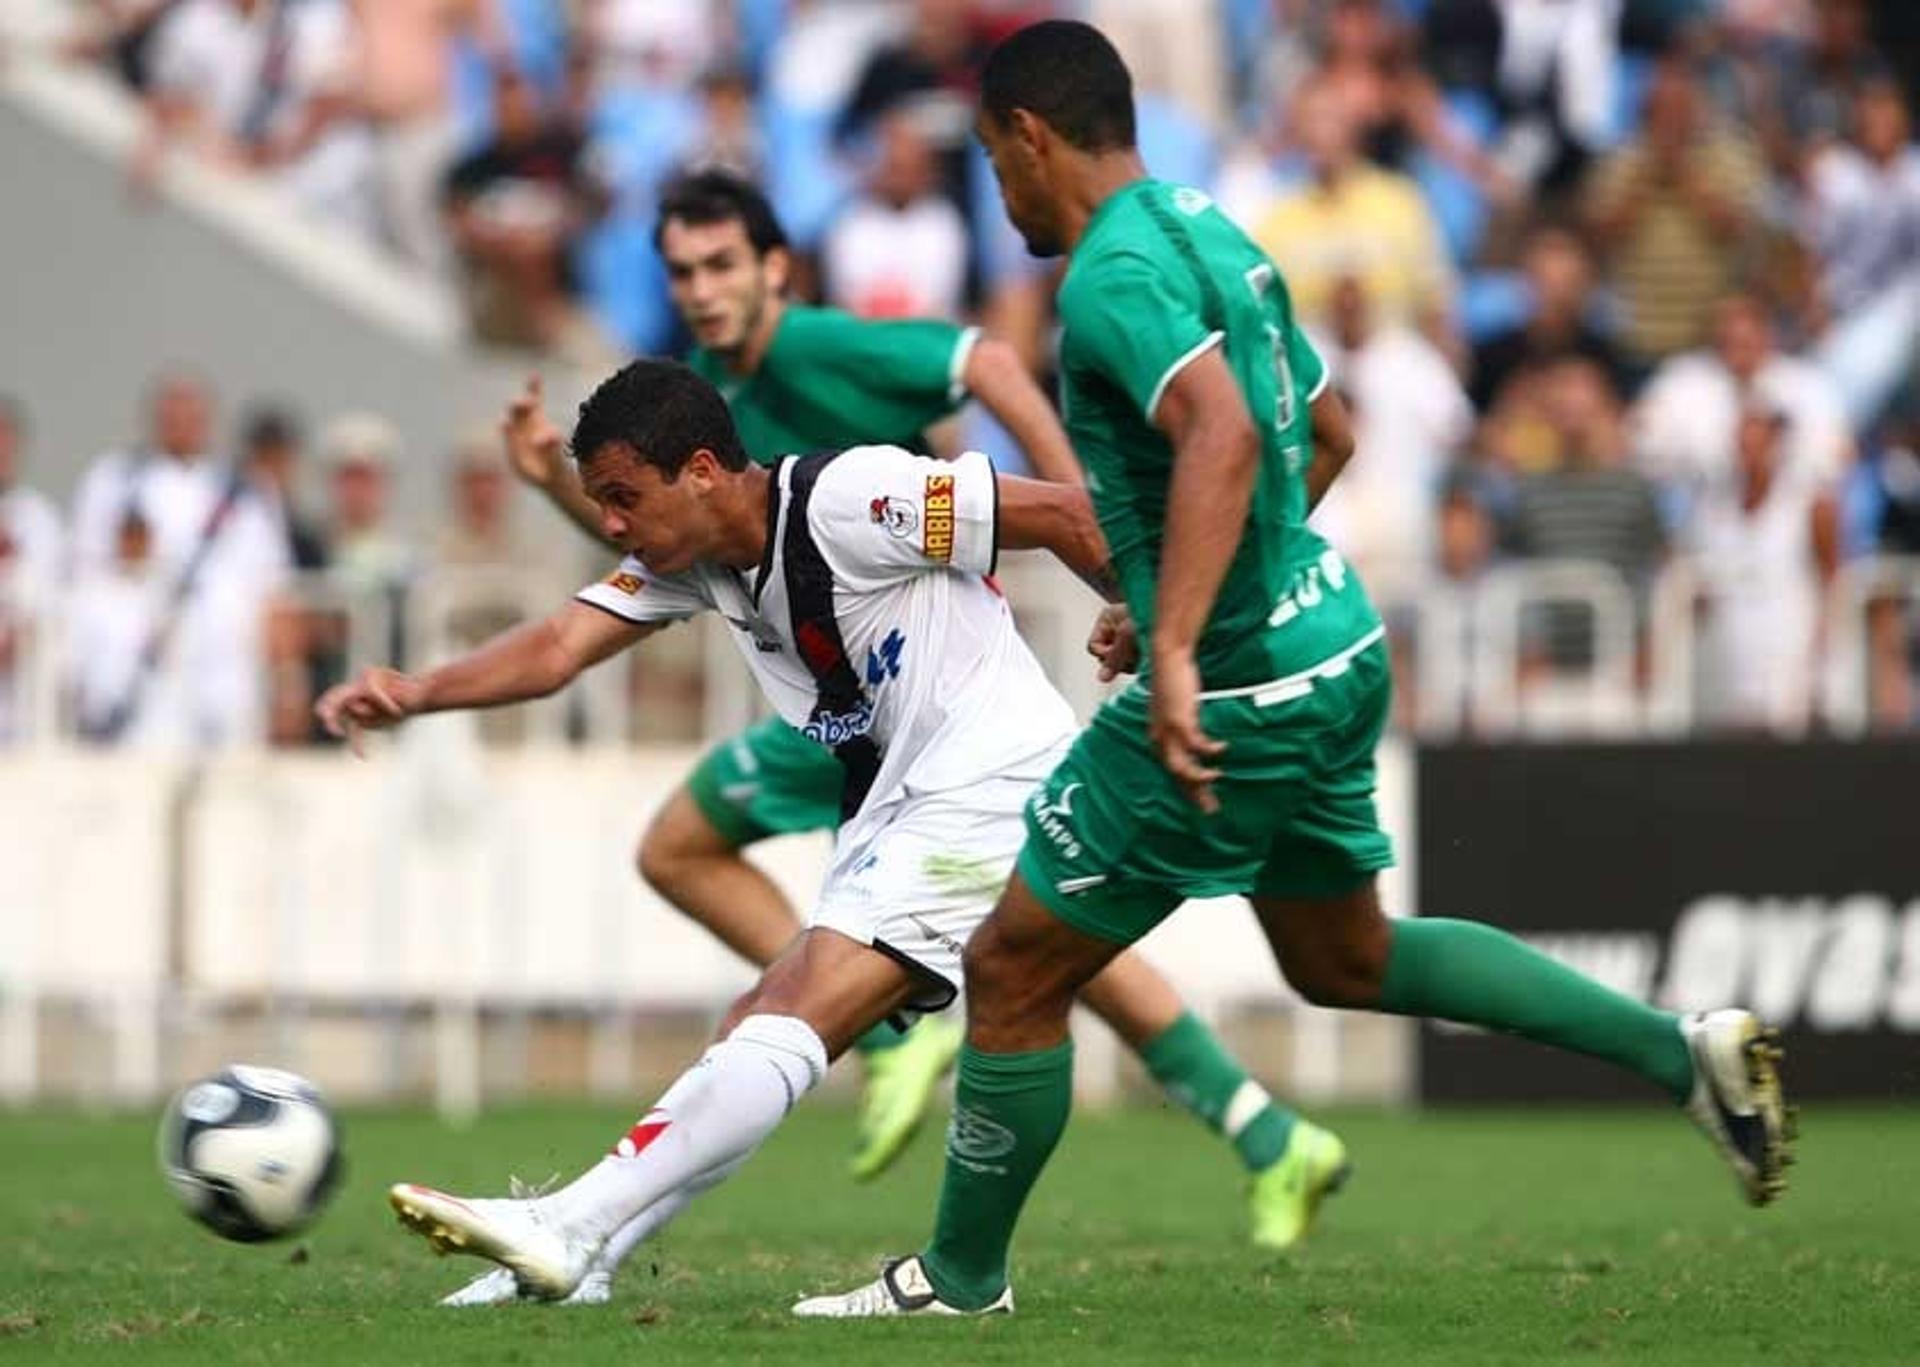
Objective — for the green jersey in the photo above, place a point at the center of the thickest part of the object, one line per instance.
(1160, 277)
(830, 380)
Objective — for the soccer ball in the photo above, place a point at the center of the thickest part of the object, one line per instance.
(252, 1153)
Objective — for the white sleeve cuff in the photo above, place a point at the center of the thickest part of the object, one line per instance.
(1193, 353)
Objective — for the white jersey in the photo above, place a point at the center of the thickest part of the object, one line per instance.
(902, 548)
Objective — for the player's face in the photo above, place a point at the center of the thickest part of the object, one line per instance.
(720, 284)
(1017, 165)
(668, 524)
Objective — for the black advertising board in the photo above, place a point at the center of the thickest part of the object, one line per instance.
(1782, 877)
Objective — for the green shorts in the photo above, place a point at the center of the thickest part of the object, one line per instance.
(768, 780)
(1113, 845)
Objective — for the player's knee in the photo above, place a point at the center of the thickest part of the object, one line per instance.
(1337, 971)
(1006, 990)
(661, 859)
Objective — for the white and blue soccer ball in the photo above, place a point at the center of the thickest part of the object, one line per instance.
(252, 1153)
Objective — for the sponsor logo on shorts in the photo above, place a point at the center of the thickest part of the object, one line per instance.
(895, 514)
(974, 1137)
(935, 934)
(937, 543)
(625, 581)
(1051, 818)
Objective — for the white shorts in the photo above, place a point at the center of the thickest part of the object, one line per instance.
(917, 876)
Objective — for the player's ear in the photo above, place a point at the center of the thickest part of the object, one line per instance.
(702, 469)
(778, 266)
(1030, 132)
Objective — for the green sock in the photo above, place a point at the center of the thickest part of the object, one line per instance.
(1008, 1112)
(1474, 974)
(886, 1035)
(1194, 1068)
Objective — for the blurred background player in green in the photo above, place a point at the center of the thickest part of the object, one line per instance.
(1242, 759)
(797, 379)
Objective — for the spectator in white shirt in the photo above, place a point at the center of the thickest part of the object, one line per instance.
(32, 564)
(32, 556)
(267, 86)
(1686, 420)
(1862, 215)
(899, 250)
(1410, 418)
(120, 693)
(1767, 551)
(219, 552)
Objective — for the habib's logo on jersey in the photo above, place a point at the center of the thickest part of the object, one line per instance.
(937, 542)
(895, 514)
(625, 581)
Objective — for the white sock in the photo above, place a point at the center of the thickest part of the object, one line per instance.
(658, 1216)
(716, 1114)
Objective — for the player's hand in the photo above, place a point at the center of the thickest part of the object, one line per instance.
(1114, 643)
(535, 448)
(378, 699)
(1174, 729)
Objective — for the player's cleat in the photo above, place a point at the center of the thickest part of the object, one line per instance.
(1737, 1099)
(900, 1086)
(497, 1286)
(545, 1262)
(1287, 1195)
(903, 1289)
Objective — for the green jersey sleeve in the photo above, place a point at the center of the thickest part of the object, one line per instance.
(915, 366)
(1125, 318)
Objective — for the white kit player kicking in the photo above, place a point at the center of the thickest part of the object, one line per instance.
(857, 585)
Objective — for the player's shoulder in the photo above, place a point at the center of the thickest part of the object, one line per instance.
(816, 325)
(843, 479)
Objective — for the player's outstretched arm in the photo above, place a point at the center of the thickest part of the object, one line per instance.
(1333, 444)
(537, 453)
(1038, 515)
(527, 661)
(996, 376)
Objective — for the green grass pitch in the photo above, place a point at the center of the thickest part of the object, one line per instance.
(1576, 1236)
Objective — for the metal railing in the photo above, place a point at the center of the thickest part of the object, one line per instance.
(1472, 663)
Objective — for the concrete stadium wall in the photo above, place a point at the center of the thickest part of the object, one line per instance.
(441, 881)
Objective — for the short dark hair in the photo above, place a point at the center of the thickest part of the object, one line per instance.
(269, 425)
(664, 412)
(1069, 76)
(716, 196)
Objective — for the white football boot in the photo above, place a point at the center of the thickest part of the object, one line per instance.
(1737, 1098)
(546, 1261)
(497, 1286)
(903, 1289)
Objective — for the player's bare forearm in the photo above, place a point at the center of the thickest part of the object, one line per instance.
(1038, 515)
(997, 377)
(529, 661)
(1216, 455)
(1333, 444)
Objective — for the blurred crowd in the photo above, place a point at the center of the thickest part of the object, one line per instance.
(201, 589)
(1624, 282)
